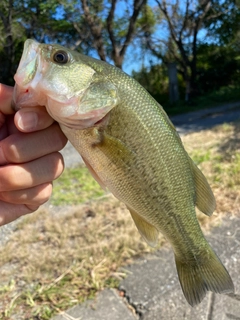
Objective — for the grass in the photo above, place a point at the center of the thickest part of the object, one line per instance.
(217, 154)
(210, 100)
(75, 186)
(58, 258)
(66, 258)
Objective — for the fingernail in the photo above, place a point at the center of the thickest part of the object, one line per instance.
(27, 121)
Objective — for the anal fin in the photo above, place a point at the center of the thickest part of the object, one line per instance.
(147, 230)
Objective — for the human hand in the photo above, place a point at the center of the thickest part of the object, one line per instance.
(29, 157)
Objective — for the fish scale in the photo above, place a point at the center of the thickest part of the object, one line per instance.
(130, 147)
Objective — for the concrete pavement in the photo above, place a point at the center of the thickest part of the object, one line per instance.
(206, 118)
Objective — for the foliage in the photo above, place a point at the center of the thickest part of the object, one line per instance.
(209, 100)
(224, 27)
(186, 22)
(24, 19)
(154, 79)
(202, 37)
(218, 66)
(105, 28)
(109, 26)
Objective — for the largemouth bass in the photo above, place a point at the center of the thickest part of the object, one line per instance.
(130, 147)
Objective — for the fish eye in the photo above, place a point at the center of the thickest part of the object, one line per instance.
(61, 57)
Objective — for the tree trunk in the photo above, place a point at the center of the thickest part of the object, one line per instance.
(173, 82)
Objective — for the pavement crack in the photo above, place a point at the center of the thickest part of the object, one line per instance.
(211, 301)
(137, 308)
(232, 316)
(234, 296)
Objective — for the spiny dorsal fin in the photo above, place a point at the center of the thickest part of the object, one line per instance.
(205, 200)
(147, 231)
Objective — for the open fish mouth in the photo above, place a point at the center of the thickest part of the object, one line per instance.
(28, 64)
(27, 76)
(42, 80)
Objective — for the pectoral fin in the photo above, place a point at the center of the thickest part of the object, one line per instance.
(147, 231)
(205, 200)
(113, 148)
(101, 95)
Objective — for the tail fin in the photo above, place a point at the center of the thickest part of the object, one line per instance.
(197, 279)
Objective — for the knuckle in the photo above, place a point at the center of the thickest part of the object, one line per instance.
(44, 194)
(59, 140)
(8, 151)
(6, 196)
(12, 148)
(31, 207)
(11, 178)
(56, 165)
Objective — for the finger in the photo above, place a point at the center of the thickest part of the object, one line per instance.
(5, 108)
(11, 127)
(5, 99)
(3, 127)
(8, 127)
(31, 174)
(25, 147)
(35, 196)
(32, 119)
(10, 212)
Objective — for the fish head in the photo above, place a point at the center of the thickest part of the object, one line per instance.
(57, 78)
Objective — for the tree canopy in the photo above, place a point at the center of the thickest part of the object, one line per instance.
(201, 36)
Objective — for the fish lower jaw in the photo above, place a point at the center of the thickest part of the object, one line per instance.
(25, 97)
(71, 115)
(79, 124)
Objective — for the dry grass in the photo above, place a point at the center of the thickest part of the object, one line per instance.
(217, 153)
(54, 260)
(66, 259)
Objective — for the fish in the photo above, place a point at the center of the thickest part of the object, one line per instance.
(132, 149)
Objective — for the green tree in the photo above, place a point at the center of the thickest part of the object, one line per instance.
(10, 33)
(22, 19)
(224, 27)
(106, 27)
(184, 22)
(218, 66)
(155, 80)
(219, 59)
(109, 27)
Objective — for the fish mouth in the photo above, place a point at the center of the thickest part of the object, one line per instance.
(32, 89)
(26, 77)
(70, 117)
(28, 64)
